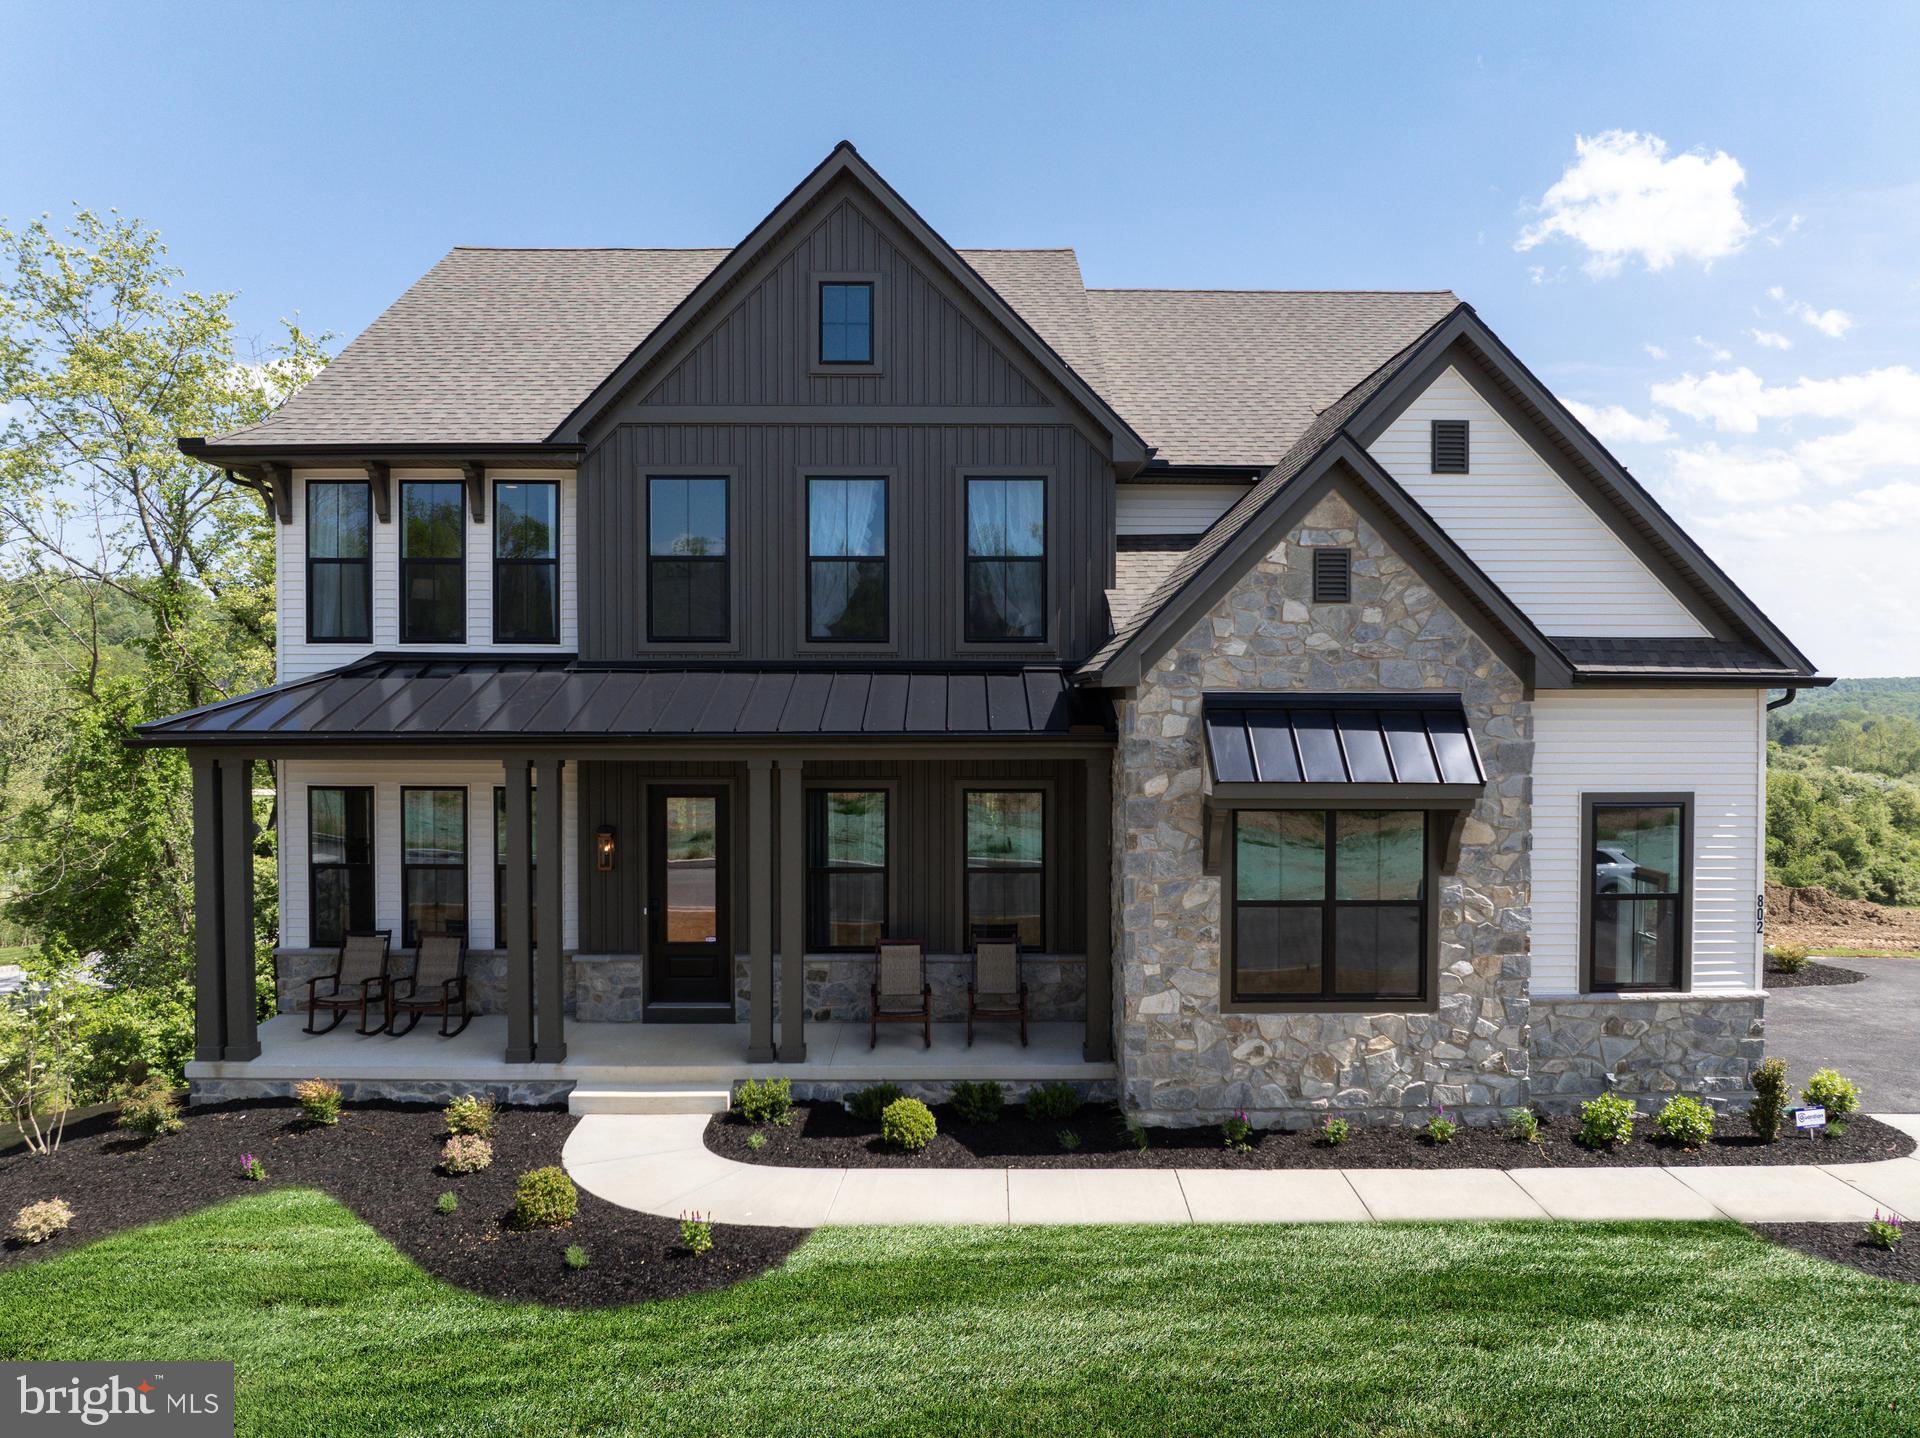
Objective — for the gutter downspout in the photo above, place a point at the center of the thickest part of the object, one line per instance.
(1783, 701)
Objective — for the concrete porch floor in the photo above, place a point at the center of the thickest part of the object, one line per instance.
(663, 1053)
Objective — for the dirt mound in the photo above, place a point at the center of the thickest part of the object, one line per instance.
(1817, 905)
(1823, 922)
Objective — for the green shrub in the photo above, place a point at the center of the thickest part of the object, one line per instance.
(1333, 1131)
(696, 1234)
(1769, 1104)
(765, 1101)
(1237, 1132)
(252, 1169)
(1606, 1121)
(1883, 1231)
(869, 1103)
(1789, 958)
(544, 1198)
(447, 1203)
(978, 1102)
(1052, 1102)
(38, 1222)
(470, 1113)
(1440, 1128)
(151, 1108)
(575, 1256)
(1135, 1131)
(908, 1124)
(466, 1153)
(1686, 1121)
(1829, 1090)
(757, 1140)
(1067, 1139)
(1523, 1124)
(318, 1100)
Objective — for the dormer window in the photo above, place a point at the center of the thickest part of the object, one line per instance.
(846, 322)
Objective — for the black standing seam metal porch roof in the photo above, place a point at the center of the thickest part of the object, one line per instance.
(1340, 739)
(496, 699)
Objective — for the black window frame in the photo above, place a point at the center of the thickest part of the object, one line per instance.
(1330, 999)
(365, 565)
(500, 864)
(1464, 429)
(723, 560)
(968, 788)
(819, 871)
(820, 324)
(883, 559)
(408, 938)
(360, 875)
(1681, 897)
(409, 564)
(551, 563)
(1040, 561)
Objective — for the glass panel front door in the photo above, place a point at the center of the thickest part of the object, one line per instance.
(687, 898)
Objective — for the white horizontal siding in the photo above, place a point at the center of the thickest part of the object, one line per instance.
(1173, 508)
(297, 658)
(1519, 521)
(1704, 742)
(387, 778)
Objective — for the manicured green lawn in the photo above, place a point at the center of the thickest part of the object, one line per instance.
(1519, 1329)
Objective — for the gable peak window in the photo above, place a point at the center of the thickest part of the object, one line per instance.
(689, 585)
(433, 567)
(1450, 446)
(1006, 598)
(339, 562)
(846, 322)
(526, 562)
(1332, 576)
(847, 560)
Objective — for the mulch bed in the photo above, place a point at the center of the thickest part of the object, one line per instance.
(1814, 975)
(1847, 1243)
(825, 1135)
(381, 1160)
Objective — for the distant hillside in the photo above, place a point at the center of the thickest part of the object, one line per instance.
(1859, 697)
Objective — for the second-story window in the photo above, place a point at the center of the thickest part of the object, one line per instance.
(433, 567)
(846, 323)
(847, 560)
(339, 567)
(1006, 560)
(526, 563)
(688, 588)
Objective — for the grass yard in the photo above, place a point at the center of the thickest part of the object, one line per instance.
(1539, 1329)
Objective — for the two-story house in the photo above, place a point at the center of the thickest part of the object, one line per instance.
(1335, 721)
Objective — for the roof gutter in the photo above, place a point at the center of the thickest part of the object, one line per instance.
(245, 456)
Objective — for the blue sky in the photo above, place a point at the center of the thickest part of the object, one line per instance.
(1701, 222)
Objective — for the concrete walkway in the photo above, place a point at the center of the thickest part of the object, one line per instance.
(657, 1163)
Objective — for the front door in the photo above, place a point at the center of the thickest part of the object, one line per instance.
(688, 945)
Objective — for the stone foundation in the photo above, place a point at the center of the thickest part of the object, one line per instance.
(527, 1093)
(1646, 1047)
(840, 987)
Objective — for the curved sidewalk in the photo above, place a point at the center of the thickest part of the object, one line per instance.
(658, 1163)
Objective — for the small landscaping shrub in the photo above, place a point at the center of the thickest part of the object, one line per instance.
(1440, 1128)
(470, 1113)
(908, 1124)
(1606, 1121)
(1052, 1102)
(544, 1198)
(575, 1256)
(38, 1222)
(1334, 1131)
(1523, 1124)
(869, 1103)
(1829, 1090)
(152, 1108)
(1067, 1139)
(1769, 1099)
(318, 1100)
(765, 1101)
(978, 1102)
(757, 1140)
(466, 1153)
(1237, 1131)
(447, 1203)
(696, 1233)
(252, 1169)
(1686, 1121)
(1788, 958)
(1883, 1230)
(1135, 1131)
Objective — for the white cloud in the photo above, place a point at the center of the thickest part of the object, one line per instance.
(1622, 198)
(1771, 339)
(1718, 351)
(1616, 424)
(1793, 226)
(1735, 402)
(1737, 476)
(1834, 324)
(1654, 351)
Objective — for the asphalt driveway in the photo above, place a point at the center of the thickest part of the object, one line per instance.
(1870, 1031)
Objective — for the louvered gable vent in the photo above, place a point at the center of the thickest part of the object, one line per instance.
(1449, 446)
(1332, 576)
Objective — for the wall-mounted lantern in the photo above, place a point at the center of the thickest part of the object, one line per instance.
(603, 849)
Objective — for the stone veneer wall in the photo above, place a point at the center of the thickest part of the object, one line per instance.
(1182, 1059)
(1646, 1046)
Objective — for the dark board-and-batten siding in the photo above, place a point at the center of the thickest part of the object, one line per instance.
(928, 464)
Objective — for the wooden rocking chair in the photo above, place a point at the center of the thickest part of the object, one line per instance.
(997, 983)
(901, 993)
(437, 985)
(358, 982)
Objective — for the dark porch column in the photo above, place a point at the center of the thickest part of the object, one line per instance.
(209, 920)
(550, 968)
(793, 934)
(242, 1038)
(519, 937)
(1100, 904)
(760, 882)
